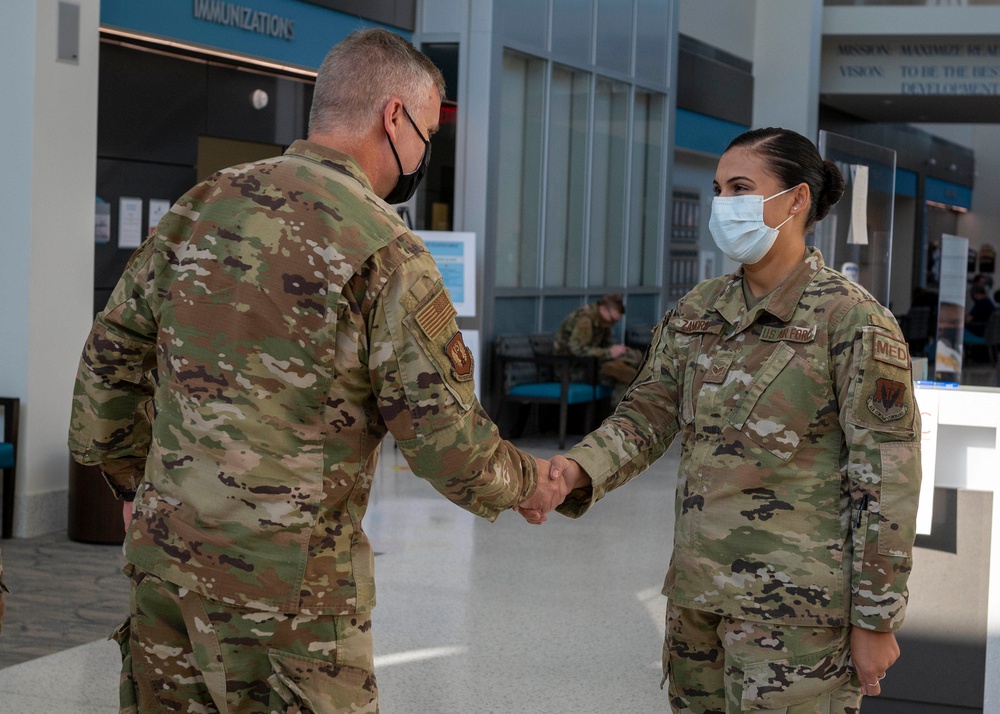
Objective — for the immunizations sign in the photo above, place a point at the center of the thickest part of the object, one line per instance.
(905, 67)
(244, 18)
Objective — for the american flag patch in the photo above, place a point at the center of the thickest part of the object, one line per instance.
(436, 315)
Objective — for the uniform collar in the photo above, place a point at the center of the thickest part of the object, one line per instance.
(331, 158)
(781, 302)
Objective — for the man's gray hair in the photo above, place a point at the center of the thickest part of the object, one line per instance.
(359, 76)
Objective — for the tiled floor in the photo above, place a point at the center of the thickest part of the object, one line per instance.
(471, 616)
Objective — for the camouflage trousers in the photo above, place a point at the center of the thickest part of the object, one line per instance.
(717, 665)
(185, 653)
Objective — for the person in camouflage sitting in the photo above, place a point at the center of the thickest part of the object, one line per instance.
(586, 332)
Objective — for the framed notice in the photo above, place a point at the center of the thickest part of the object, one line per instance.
(129, 222)
(455, 255)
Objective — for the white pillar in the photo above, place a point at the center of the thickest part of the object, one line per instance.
(788, 38)
(48, 138)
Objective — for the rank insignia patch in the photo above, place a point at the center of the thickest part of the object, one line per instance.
(887, 403)
(436, 315)
(460, 357)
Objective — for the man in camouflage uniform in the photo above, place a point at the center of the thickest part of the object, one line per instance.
(586, 332)
(278, 322)
(797, 490)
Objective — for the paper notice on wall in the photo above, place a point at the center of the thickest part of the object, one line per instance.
(858, 233)
(157, 208)
(102, 223)
(129, 222)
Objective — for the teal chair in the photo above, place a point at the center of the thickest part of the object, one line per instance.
(528, 373)
(8, 459)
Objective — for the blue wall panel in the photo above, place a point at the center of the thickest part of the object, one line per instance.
(700, 132)
(950, 194)
(314, 30)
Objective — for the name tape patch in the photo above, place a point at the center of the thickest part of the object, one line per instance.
(790, 333)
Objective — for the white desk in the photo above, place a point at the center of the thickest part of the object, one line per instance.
(972, 455)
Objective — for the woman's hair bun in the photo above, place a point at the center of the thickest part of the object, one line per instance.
(833, 189)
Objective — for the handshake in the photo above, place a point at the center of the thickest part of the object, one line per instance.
(556, 478)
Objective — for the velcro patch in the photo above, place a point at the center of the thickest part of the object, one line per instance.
(891, 351)
(789, 333)
(716, 374)
(436, 315)
(682, 324)
(888, 402)
(460, 357)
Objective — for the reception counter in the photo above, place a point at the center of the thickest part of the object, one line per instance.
(950, 641)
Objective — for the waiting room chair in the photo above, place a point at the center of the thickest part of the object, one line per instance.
(8, 460)
(527, 372)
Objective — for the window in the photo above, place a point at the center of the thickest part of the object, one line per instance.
(520, 171)
(608, 188)
(566, 178)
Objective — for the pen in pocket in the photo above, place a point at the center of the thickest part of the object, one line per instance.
(861, 510)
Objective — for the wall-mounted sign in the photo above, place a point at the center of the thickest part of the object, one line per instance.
(289, 32)
(911, 66)
(455, 255)
(244, 18)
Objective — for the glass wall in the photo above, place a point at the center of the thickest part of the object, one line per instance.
(608, 188)
(647, 188)
(566, 178)
(595, 223)
(520, 200)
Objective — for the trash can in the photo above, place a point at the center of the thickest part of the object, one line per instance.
(95, 515)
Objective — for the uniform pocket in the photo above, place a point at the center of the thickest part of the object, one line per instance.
(304, 684)
(776, 684)
(127, 695)
(898, 500)
(781, 403)
(447, 357)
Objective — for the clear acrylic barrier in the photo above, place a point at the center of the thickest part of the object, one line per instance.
(856, 236)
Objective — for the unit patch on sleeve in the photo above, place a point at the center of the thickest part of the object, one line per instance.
(436, 315)
(460, 357)
(888, 403)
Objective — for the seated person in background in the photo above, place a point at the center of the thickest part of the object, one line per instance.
(586, 332)
(979, 313)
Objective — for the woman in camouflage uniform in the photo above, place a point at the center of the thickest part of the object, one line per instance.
(800, 465)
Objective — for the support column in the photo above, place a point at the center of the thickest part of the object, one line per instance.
(788, 39)
(48, 137)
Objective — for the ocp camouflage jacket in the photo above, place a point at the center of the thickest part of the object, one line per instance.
(262, 341)
(800, 458)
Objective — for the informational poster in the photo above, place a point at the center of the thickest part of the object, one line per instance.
(129, 222)
(858, 234)
(951, 308)
(157, 208)
(102, 222)
(455, 255)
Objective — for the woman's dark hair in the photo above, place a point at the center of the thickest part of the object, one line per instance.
(793, 159)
